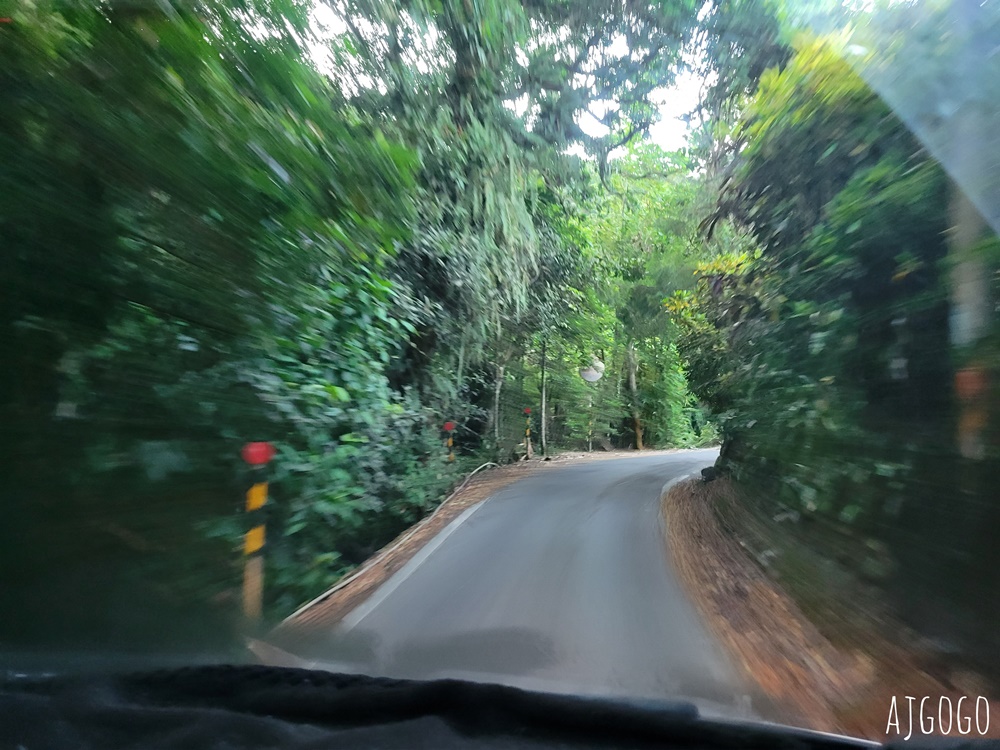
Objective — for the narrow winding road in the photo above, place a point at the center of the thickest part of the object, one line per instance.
(560, 582)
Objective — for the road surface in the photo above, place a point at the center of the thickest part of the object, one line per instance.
(558, 582)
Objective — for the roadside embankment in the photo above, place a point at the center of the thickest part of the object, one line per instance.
(820, 644)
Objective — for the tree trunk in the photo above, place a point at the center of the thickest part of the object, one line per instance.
(633, 366)
(497, 386)
(971, 308)
(460, 373)
(590, 424)
(544, 435)
(521, 399)
(970, 280)
(970, 319)
(969, 536)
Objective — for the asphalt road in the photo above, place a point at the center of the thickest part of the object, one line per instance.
(560, 582)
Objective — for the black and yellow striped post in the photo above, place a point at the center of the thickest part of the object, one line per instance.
(257, 455)
(449, 427)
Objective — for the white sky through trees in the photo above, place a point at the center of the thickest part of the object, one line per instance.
(670, 133)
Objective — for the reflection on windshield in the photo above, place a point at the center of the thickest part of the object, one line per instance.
(407, 340)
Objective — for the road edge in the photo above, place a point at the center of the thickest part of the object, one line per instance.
(384, 552)
(365, 608)
(352, 591)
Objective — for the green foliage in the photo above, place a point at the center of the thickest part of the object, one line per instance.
(198, 251)
(644, 243)
(209, 240)
(813, 351)
(740, 40)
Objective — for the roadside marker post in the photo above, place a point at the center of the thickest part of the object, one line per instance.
(449, 427)
(972, 386)
(257, 456)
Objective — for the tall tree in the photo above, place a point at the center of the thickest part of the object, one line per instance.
(516, 78)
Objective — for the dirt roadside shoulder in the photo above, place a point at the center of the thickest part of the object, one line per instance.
(845, 687)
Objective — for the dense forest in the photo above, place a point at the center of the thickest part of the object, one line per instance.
(235, 221)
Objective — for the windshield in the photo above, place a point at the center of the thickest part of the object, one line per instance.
(633, 349)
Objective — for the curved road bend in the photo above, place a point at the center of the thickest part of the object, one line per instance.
(558, 582)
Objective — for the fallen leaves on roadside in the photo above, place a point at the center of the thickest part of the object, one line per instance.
(808, 681)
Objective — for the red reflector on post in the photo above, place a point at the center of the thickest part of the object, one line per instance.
(449, 426)
(256, 454)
